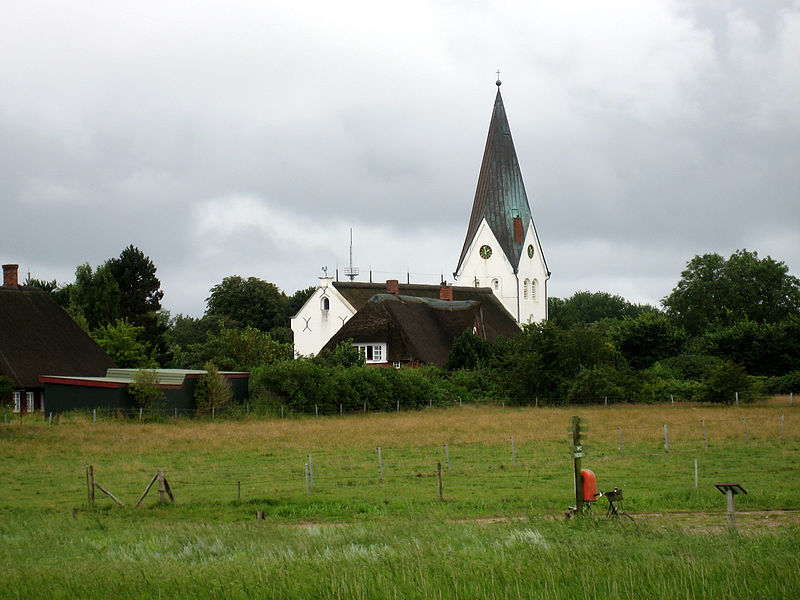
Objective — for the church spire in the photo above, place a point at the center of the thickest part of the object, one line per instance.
(500, 196)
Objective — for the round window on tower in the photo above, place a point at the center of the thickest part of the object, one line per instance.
(485, 251)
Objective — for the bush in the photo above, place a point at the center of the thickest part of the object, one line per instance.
(213, 390)
(600, 381)
(784, 384)
(145, 391)
(724, 381)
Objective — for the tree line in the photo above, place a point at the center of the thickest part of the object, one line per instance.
(729, 325)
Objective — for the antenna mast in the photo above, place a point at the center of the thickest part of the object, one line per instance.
(351, 271)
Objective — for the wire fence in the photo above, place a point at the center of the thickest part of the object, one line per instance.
(331, 408)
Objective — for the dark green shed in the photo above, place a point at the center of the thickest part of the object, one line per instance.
(111, 392)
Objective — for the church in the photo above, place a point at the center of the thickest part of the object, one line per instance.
(501, 277)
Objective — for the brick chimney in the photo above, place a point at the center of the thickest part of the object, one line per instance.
(10, 278)
(445, 292)
(392, 286)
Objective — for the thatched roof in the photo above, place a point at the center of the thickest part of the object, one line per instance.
(422, 329)
(37, 337)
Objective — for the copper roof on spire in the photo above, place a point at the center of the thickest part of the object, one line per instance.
(500, 195)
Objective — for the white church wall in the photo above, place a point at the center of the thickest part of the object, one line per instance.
(484, 271)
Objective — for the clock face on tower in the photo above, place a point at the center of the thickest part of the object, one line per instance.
(485, 251)
(530, 250)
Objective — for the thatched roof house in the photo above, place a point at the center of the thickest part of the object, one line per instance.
(37, 337)
(403, 329)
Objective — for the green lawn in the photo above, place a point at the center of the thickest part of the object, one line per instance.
(498, 534)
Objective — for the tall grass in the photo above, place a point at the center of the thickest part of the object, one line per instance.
(499, 533)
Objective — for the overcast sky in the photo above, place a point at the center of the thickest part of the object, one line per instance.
(246, 138)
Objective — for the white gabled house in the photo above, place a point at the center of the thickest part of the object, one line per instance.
(320, 318)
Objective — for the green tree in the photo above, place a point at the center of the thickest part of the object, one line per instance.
(585, 308)
(95, 295)
(242, 349)
(252, 302)
(186, 334)
(469, 351)
(761, 348)
(646, 339)
(140, 297)
(145, 391)
(722, 383)
(213, 390)
(714, 292)
(121, 341)
(139, 287)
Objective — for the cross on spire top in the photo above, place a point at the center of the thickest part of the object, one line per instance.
(498, 82)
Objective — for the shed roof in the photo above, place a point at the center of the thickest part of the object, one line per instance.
(37, 336)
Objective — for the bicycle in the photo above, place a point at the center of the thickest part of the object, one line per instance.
(613, 511)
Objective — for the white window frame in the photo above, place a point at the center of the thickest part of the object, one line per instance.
(29, 402)
(534, 285)
(526, 289)
(373, 352)
(17, 402)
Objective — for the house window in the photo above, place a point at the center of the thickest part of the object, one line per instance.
(17, 401)
(29, 399)
(496, 285)
(526, 289)
(396, 364)
(373, 353)
(325, 304)
(533, 289)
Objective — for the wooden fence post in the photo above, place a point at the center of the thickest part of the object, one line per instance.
(162, 489)
(666, 438)
(90, 483)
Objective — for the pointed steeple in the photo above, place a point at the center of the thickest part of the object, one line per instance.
(500, 196)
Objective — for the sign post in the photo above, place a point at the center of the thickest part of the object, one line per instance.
(577, 430)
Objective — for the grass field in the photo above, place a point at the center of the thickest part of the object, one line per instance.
(497, 534)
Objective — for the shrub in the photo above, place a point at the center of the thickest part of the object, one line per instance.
(145, 391)
(724, 381)
(213, 390)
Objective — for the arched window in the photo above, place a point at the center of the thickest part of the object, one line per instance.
(496, 285)
(534, 285)
(526, 289)
(325, 303)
